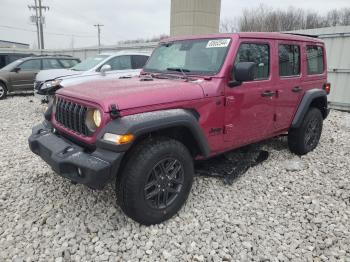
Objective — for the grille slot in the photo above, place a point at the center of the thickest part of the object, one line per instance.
(72, 116)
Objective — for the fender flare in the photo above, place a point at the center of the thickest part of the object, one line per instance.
(144, 123)
(305, 104)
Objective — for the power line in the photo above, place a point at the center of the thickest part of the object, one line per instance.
(48, 33)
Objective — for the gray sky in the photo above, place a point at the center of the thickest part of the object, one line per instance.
(73, 19)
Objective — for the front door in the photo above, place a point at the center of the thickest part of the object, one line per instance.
(23, 79)
(249, 111)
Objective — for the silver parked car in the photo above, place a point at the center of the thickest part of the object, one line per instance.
(121, 64)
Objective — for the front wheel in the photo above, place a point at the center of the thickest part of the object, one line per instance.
(3, 91)
(156, 180)
(304, 139)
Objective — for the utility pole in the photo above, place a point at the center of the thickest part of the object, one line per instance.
(99, 36)
(39, 20)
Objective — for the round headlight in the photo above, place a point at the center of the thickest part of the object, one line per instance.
(93, 119)
(97, 117)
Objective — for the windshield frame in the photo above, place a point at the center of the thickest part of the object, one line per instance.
(104, 57)
(191, 73)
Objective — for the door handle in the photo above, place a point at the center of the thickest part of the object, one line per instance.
(297, 89)
(268, 93)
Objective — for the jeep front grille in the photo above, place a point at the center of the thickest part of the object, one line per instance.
(72, 116)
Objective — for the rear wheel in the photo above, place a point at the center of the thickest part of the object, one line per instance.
(3, 91)
(156, 181)
(305, 138)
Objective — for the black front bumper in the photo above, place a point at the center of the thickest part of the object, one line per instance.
(71, 161)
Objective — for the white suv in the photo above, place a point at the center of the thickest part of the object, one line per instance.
(121, 64)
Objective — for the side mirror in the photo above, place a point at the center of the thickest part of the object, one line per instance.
(105, 68)
(242, 72)
(16, 69)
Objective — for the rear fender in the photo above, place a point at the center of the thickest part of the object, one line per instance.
(312, 98)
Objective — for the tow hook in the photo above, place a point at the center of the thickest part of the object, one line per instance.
(113, 111)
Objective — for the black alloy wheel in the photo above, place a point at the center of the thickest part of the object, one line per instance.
(164, 183)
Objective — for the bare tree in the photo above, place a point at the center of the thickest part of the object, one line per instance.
(345, 16)
(333, 17)
(228, 26)
(264, 18)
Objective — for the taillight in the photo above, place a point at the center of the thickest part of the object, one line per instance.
(327, 88)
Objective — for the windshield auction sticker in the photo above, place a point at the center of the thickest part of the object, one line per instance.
(218, 43)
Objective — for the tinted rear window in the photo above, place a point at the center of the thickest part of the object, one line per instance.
(68, 63)
(139, 61)
(315, 60)
(289, 60)
(51, 63)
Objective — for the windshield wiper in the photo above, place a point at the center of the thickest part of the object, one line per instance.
(181, 70)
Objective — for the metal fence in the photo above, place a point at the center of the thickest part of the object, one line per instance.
(83, 53)
(337, 41)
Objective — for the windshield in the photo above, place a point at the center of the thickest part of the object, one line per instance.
(203, 56)
(12, 65)
(89, 63)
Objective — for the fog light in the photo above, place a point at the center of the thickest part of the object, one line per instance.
(118, 139)
(80, 172)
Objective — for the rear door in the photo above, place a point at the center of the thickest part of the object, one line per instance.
(24, 78)
(250, 107)
(289, 82)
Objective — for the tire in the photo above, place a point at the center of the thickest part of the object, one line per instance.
(3, 91)
(304, 139)
(154, 169)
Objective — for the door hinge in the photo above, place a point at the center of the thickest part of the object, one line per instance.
(229, 100)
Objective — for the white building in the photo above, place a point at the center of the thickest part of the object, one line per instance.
(9, 44)
(337, 40)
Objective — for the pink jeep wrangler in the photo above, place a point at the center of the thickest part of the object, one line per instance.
(197, 97)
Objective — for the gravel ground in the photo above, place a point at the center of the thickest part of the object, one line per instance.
(287, 208)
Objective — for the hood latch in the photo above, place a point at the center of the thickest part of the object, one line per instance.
(114, 111)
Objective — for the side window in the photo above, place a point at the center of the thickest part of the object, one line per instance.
(30, 65)
(289, 60)
(257, 53)
(138, 61)
(120, 62)
(2, 61)
(315, 64)
(68, 63)
(51, 64)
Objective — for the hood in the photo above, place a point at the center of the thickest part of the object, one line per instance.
(89, 76)
(51, 74)
(133, 93)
